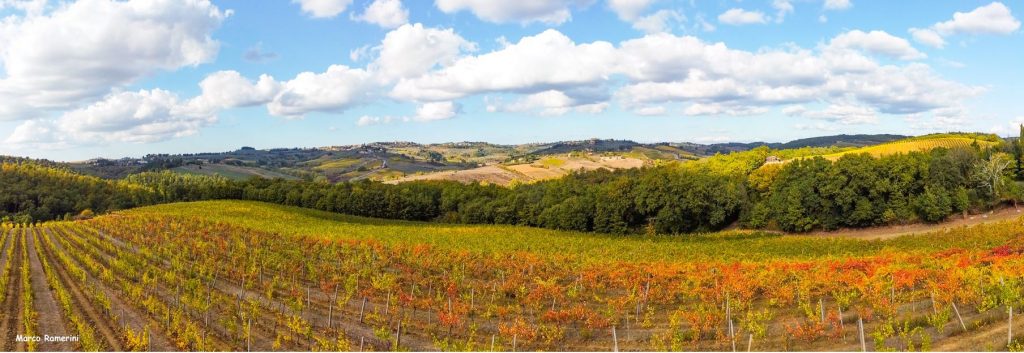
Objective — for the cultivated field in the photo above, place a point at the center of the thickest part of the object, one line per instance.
(231, 275)
(551, 167)
(912, 145)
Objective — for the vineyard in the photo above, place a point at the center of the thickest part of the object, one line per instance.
(913, 145)
(242, 276)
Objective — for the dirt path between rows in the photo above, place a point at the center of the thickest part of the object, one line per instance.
(51, 316)
(11, 323)
(889, 232)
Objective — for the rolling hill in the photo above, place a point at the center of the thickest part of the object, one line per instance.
(463, 161)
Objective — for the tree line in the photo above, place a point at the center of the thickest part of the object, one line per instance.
(805, 194)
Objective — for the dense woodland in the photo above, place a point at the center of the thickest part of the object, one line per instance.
(808, 193)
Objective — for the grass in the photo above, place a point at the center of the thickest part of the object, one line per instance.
(580, 247)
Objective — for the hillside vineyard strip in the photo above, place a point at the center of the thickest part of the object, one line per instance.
(139, 280)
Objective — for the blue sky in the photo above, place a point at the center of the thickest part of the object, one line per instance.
(126, 78)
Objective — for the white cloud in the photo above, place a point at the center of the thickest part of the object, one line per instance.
(953, 118)
(664, 68)
(534, 64)
(843, 113)
(553, 12)
(436, 111)
(358, 54)
(782, 8)
(876, 42)
(385, 13)
(426, 112)
(228, 89)
(548, 103)
(629, 10)
(80, 51)
(838, 4)
(29, 7)
(368, 120)
(334, 90)
(412, 50)
(994, 18)
(704, 24)
(794, 110)
(323, 8)
(36, 133)
(928, 37)
(659, 21)
(134, 117)
(738, 17)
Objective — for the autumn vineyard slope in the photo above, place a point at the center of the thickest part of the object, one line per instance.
(230, 275)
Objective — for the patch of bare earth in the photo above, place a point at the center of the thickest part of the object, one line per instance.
(51, 319)
(11, 321)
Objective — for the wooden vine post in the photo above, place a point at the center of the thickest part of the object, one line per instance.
(957, 311)
(860, 332)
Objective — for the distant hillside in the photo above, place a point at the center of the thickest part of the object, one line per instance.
(821, 141)
(464, 161)
(917, 144)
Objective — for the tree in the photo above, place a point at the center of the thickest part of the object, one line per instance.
(989, 175)
(934, 204)
(1018, 153)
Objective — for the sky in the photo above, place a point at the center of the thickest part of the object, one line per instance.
(106, 78)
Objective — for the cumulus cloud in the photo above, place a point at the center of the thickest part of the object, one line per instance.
(334, 90)
(134, 117)
(552, 12)
(994, 18)
(550, 74)
(28, 7)
(536, 63)
(323, 8)
(370, 120)
(665, 68)
(412, 50)
(426, 112)
(928, 37)
(548, 103)
(385, 13)
(436, 111)
(876, 42)
(81, 50)
(228, 89)
(739, 17)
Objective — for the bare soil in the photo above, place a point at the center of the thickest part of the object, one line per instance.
(51, 316)
(11, 322)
